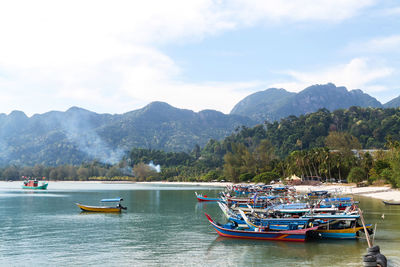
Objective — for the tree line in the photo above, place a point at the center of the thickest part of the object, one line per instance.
(324, 145)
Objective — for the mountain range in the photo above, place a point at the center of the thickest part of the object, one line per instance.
(77, 135)
(274, 104)
(394, 103)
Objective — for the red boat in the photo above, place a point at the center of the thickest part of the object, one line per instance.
(202, 198)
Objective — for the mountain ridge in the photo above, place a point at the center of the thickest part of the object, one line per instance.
(394, 103)
(309, 100)
(77, 135)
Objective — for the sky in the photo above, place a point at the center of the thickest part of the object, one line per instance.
(117, 56)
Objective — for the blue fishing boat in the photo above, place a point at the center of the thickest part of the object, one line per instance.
(232, 230)
(318, 194)
(301, 208)
(204, 198)
(277, 223)
(342, 229)
(338, 226)
(341, 203)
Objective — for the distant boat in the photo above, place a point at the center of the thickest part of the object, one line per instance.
(202, 198)
(116, 208)
(391, 203)
(35, 184)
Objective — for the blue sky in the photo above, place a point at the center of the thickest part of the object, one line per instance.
(117, 56)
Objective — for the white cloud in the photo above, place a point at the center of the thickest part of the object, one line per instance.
(299, 10)
(359, 73)
(387, 44)
(104, 55)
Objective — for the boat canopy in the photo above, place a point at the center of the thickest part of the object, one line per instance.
(337, 199)
(267, 197)
(112, 200)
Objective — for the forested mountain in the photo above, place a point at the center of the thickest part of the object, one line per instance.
(262, 106)
(371, 126)
(274, 104)
(317, 144)
(394, 103)
(76, 135)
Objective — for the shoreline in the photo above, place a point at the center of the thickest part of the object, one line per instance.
(378, 192)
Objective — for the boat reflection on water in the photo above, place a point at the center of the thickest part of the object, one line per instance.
(315, 252)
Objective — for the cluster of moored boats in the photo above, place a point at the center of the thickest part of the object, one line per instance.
(280, 213)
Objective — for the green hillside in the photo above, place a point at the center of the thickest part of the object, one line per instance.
(78, 135)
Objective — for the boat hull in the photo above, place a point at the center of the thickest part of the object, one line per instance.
(40, 187)
(391, 203)
(98, 208)
(290, 236)
(348, 233)
(202, 198)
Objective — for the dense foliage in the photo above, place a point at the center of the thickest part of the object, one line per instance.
(322, 145)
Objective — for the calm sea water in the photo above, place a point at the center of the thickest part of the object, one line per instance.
(163, 226)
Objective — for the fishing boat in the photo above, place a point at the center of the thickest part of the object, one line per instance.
(277, 223)
(391, 203)
(342, 229)
(318, 194)
(232, 230)
(116, 208)
(341, 203)
(301, 208)
(35, 184)
(203, 198)
(330, 226)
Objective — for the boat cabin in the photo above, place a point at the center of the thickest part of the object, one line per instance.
(33, 183)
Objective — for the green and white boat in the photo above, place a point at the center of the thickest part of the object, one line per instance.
(35, 184)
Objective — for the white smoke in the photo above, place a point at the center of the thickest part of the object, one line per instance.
(157, 167)
(80, 132)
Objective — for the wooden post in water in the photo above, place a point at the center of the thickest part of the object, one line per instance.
(373, 238)
(365, 228)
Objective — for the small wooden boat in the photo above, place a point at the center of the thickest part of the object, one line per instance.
(116, 208)
(345, 233)
(202, 198)
(391, 203)
(342, 229)
(35, 184)
(318, 194)
(232, 230)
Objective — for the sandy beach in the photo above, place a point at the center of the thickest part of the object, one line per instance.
(379, 192)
